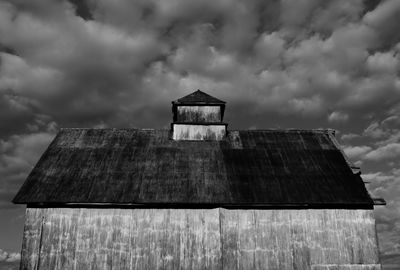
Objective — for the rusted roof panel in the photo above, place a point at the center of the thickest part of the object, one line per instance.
(131, 166)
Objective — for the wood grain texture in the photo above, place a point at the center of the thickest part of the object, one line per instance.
(198, 132)
(199, 239)
(31, 243)
(347, 267)
(199, 114)
(297, 239)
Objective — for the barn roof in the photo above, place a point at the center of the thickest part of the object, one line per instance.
(257, 168)
(198, 97)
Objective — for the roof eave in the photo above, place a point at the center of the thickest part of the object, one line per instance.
(176, 102)
(182, 205)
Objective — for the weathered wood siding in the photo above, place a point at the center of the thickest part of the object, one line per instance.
(298, 239)
(199, 239)
(198, 132)
(199, 114)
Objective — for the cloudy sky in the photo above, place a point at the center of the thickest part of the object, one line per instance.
(278, 64)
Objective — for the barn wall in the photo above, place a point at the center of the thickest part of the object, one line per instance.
(199, 239)
(198, 132)
(199, 113)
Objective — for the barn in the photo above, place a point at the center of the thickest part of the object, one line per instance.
(197, 196)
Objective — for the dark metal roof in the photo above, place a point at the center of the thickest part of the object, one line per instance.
(198, 97)
(145, 167)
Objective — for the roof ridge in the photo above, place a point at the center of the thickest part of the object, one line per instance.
(110, 128)
(198, 96)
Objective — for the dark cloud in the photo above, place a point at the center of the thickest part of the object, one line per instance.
(82, 9)
(18, 155)
(384, 19)
(215, 46)
(370, 5)
(7, 50)
(301, 64)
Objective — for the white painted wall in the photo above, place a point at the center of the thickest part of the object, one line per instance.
(198, 132)
(196, 113)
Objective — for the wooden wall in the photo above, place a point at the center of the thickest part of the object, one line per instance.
(198, 132)
(199, 114)
(199, 239)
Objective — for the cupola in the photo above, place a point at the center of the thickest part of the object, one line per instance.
(198, 116)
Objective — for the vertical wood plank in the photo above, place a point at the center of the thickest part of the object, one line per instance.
(273, 241)
(31, 238)
(298, 239)
(298, 234)
(199, 239)
(120, 239)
